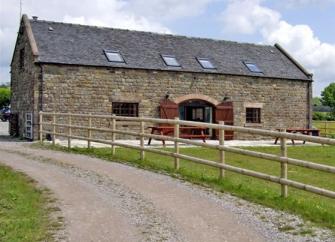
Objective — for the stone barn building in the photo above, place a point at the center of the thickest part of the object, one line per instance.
(84, 69)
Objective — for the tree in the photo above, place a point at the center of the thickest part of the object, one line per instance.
(328, 99)
(4, 96)
(317, 101)
(328, 96)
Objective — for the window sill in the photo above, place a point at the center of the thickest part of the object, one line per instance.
(253, 125)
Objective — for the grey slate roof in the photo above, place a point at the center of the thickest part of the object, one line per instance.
(84, 45)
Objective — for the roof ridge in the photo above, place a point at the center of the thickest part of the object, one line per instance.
(78, 44)
(151, 32)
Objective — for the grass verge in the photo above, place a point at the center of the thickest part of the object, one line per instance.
(314, 208)
(24, 209)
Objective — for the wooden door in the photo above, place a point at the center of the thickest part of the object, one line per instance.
(224, 112)
(168, 109)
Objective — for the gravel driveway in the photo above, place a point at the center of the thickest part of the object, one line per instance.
(105, 201)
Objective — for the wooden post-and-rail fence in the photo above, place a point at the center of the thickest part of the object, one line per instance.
(327, 128)
(284, 161)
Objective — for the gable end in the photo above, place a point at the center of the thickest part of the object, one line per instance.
(25, 28)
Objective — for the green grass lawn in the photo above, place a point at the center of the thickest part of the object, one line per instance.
(317, 209)
(330, 128)
(23, 214)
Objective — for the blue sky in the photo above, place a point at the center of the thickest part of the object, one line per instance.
(321, 18)
(303, 27)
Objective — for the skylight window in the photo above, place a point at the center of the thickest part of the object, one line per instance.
(114, 56)
(170, 60)
(253, 67)
(206, 63)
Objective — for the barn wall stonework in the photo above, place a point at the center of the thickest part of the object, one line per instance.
(80, 89)
(24, 84)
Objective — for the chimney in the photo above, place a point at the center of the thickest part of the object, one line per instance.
(35, 18)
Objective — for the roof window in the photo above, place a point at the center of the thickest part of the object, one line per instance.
(252, 67)
(114, 56)
(170, 60)
(205, 63)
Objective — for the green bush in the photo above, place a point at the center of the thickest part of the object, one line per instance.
(331, 116)
(321, 116)
(4, 96)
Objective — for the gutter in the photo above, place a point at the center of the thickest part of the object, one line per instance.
(171, 70)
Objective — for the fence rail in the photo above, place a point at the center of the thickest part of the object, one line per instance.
(327, 128)
(221, 164)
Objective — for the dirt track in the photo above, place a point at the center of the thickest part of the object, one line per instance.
(104, 201)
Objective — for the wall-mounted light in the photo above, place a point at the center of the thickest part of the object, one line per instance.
(167, 95)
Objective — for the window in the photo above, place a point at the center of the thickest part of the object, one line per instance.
(114, 56)
(21, 59)
(253, 115)
(252, 67)
(205, 63)
(125, 109)
(170, 60)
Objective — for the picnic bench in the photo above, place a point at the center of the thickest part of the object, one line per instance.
(313, 132)
(187, 132)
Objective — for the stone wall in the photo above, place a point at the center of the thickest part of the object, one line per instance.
(24, 84)
(79, 89)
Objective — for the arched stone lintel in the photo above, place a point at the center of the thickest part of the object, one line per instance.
(196, 96)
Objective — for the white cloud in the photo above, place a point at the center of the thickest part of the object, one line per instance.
(300, 3)
(147, 15)
(124, 22)
(249, 17)
(168, 9)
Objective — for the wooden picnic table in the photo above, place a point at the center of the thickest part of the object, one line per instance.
(313, 132)
(188, 132)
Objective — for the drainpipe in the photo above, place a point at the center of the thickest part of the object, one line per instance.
(309, 103)
(40, 98)
(41, 88)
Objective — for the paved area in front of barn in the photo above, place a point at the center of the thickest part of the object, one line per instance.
(158, 144)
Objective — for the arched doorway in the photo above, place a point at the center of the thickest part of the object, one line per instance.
(197, 110)
(201, 108)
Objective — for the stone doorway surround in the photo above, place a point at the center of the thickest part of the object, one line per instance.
(202, 97)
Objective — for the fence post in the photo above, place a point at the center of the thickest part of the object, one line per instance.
(222, 153)
(53, 128)
(283, 153)
(113, 134)
(70, 132)
(41, 127)
(142, 140)
(176, 144)
(89, 131)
